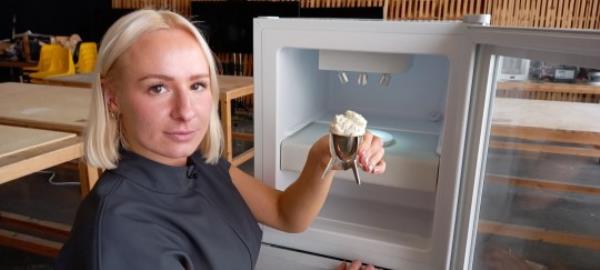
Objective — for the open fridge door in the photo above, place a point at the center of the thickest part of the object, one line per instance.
(530, 187)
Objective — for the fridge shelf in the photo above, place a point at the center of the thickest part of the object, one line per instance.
(412, 160)
(371, 228)
(377, 221)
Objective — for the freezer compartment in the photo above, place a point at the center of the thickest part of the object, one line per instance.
(374, 223)
(376, 220)
(276, 258)
(412, 160)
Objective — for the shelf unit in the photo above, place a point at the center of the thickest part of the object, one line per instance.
(574, 92)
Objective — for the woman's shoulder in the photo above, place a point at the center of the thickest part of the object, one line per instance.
(106, 184)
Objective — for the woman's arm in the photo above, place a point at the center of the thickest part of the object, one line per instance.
(294, 209)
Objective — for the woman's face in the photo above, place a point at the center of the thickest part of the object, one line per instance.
(161, 88)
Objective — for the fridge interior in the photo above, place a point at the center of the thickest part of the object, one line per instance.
(395, 207)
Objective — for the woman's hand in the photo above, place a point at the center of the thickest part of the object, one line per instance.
(370, 154)
(355, 265)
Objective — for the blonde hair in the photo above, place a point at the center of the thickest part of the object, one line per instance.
(103, 136)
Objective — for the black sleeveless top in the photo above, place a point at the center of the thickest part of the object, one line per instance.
(146, 215)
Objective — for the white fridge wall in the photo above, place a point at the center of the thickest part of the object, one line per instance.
(413, 94)
(282, 108)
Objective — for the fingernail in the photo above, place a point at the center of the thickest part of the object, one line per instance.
(371, 168)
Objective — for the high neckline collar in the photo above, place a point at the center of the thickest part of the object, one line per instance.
(157, 176)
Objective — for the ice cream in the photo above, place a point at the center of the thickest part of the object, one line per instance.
(348, 124)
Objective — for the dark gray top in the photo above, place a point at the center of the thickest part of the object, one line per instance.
(146, 215)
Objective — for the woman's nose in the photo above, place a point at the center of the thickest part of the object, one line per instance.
(183, 107)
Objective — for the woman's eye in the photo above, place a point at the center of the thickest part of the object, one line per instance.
(199, 86)
(157, 89)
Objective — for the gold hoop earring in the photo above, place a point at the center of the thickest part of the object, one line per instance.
(120, 130)
(114, 115)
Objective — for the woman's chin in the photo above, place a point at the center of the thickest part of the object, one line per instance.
(181, 151)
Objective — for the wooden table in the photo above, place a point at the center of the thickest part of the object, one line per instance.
(77, 80)
(44, 107)
(232, 87)
(47, 107)
(24, 151)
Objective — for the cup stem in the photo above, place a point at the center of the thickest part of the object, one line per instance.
(355, 171)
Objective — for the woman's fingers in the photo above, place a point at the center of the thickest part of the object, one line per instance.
(375, 159)
(356, 265)
(379, 167)
(371, 154)
(377, 164)
(365, 148)
(341, 266)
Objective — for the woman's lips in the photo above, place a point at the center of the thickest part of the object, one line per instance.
(181, 136)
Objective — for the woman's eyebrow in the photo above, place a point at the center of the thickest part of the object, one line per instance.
(169, 78)
(157, 76)
(198, 76)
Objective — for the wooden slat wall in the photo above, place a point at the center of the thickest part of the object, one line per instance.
(582, 14)
(231, 63)
(182, 7)
(238, 64)
(340, 3)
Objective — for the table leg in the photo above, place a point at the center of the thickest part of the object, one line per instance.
(226, 122)
(88, 176)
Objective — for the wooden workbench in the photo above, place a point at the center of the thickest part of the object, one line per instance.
(47, 107)
(24, 151)
(233, 87)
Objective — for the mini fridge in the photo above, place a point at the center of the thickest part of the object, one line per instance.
(429, 89)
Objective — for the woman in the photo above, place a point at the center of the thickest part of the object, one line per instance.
(167, 200)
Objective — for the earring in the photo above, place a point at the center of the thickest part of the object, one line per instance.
(114, 115)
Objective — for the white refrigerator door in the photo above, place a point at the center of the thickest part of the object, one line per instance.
(530, 174)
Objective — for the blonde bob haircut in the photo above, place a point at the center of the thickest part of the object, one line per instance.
(103, 134)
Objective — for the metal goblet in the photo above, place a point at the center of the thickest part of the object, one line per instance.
(344, 152)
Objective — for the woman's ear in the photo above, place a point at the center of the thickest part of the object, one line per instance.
(110, 97)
